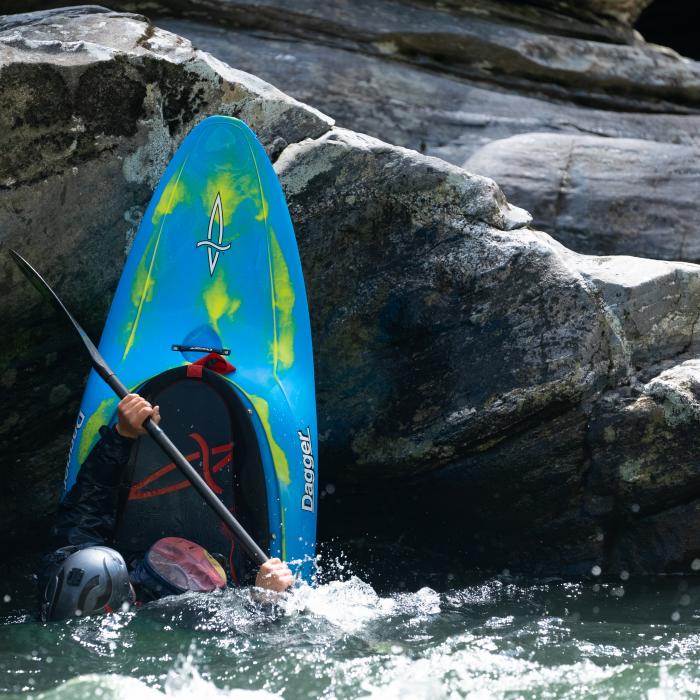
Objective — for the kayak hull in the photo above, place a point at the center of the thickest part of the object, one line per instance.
(214, 269)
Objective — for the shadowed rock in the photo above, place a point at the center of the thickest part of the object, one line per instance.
(462, 359)
(645, 477)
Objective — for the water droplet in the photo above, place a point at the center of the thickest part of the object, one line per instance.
(695, 565)
(635, 507)
(624, 575)
(596, 570)
(330, 489)
(126, 606)
(685, 599)
(6, 598)
(675, 616)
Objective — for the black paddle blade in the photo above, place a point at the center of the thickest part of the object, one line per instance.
(42, 286)
(38, 282)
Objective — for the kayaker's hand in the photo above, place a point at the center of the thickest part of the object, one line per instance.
(274, 575)
(132, 411)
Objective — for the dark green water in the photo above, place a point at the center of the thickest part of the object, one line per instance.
(494, 638)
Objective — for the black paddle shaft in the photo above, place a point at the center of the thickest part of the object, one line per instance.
(154, 430)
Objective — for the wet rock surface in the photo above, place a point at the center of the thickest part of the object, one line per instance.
(481, 387)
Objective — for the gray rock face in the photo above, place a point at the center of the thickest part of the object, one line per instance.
(645, 476)
(448, 80)
(484, 353)
(94, 103)
(479, 384)
(468, 74)
(444, 302)
(434, 112)
(626, 11)
(602, 195)
(471, 41)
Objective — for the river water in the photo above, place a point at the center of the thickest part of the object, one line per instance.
(460, 636)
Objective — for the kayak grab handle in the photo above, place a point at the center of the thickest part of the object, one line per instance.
(200, 348)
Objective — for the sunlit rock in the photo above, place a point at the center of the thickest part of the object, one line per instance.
(460, 348)
(599, 195)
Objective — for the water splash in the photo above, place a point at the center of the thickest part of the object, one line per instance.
(496, 638)
(182, 682)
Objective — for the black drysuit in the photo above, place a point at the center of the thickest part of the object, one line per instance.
(87, 515)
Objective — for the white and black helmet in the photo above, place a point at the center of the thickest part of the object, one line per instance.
(91, 580)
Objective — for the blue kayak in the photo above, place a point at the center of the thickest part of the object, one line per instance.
(210, 321)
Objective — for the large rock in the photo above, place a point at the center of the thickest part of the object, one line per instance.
(602, 195)
(470, 369)
(448, 77)
(626, 11)
(472, 356)
(645, 473)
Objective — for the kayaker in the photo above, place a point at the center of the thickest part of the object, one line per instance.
(83, 575)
